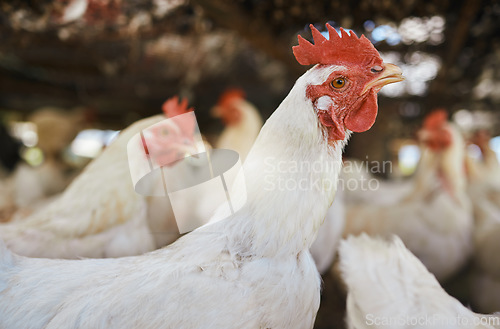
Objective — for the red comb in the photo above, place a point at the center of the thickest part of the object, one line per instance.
(172, 107)
(229, 95)
(436, 119)
(336, 49)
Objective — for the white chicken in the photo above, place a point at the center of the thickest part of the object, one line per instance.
(160, 214)
(435, 220)
(98, 215)
(361, 186)
(484, 192)
(29, 185)
(242, 120)
(485, 171)
(388, 287)
(258, 259)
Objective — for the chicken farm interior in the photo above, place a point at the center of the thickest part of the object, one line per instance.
(200, 129)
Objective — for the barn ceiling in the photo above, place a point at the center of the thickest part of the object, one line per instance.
(122, 59)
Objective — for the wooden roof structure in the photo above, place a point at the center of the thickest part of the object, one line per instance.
(122, 59)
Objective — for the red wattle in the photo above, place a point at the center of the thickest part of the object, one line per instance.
(335, 130)
(362, 118)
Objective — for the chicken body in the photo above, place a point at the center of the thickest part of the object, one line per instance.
(435, 220)
(361, 186)
(388, 287)
(240, 135)
(485, 290)
(98, 215)
(28, 185)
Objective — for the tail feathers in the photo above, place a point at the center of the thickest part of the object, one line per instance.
(386, 281)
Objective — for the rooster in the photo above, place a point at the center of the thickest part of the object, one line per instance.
(242, 120)
(258, 258)
(99, 214)
(388, 287)
(435, 220)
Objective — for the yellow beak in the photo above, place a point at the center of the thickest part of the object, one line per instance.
(392, 73)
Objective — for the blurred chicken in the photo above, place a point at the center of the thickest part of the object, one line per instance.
(361, 186)
(486, 171)
(388, 287)
(28, 185)
(161, 217)
(435, 220)
(484, 191)
(242, 120)
(252, 269)
(99, 214)
(243, 123)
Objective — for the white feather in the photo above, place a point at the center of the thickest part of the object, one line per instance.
(436, 224)
(388, 287)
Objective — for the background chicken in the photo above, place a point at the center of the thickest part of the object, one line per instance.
(485, 288)
(242, 125)
(362, 187)
(435, 220)
(486, 170)
(28, 187)
(388, 287)
(92, 218)
(258, 258)
(484, 192)
(160, 214)
(242, 122)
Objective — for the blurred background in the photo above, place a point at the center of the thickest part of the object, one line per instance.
(107, 63)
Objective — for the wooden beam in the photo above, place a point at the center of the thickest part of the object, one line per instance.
(457, 36)
(255, 31)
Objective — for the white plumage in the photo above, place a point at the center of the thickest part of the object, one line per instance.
(435, 220)
(90, 218)
(388, 287)
(484, 192)
(240, 136)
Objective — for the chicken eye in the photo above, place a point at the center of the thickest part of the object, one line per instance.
(338, 83)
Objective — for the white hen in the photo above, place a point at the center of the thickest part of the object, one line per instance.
(388, 287)
(435, 220)
(484, 192)
(98, 215)
(485, 288)
(242, 120)
(257, 259)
